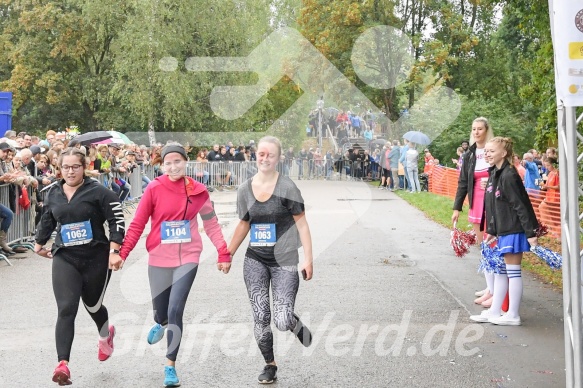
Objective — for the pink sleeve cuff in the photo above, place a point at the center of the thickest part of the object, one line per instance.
(224, 258)
(224, 255)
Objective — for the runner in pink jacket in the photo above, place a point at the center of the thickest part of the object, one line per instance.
(172, 202)
(166, 200)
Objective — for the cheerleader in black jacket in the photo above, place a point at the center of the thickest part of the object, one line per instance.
(509, 216)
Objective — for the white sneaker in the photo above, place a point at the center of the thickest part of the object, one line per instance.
(505, 320)
(484, 317)
(481, 293)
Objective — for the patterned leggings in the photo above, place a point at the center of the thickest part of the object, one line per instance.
(284, 285)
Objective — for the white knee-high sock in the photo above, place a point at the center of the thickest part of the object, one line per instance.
(514, 289)
(500, 289)
(489, 282)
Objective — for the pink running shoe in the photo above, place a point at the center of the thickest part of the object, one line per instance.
(62, 375)
(105, 346)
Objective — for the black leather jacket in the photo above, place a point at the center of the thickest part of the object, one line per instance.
(465, 184)
(507, 206)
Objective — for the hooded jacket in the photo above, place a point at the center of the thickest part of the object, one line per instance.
(167, 200)
(91, 202)
(506, 204)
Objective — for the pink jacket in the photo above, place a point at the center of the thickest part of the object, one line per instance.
(165, 200)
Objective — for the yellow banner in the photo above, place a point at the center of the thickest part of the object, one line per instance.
(576, 50)
(567, 25)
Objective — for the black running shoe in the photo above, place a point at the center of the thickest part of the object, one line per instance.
(302, 332)
(269, 374)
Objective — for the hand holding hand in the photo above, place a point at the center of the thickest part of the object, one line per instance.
(225, 267)
(115, 261)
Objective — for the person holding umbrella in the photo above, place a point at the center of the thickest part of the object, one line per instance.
(412, 160)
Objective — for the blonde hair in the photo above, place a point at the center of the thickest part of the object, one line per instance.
(489, 130)
(272, 140)
(507, 144)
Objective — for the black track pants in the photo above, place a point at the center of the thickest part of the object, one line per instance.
(79, 277)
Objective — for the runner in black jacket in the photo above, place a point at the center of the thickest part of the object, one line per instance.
(83, 255)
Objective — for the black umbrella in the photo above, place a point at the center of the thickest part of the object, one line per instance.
(89, 138)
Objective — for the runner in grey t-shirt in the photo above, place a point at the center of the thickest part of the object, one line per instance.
(271, 211)
(274, 215)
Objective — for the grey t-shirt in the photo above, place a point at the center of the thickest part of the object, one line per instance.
(275, 213)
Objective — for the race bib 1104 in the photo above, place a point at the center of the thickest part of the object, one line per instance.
(174, 232)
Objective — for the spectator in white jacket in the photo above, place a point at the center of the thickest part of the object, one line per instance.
(412, 160)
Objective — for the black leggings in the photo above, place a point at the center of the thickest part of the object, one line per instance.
(170, 288)
(77, 277)
(284, 286)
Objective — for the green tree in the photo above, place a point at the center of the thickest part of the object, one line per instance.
(152, 78)
(504, 122)
(526, 29)
(60, 59)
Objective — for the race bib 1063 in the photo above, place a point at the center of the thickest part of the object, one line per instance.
(76, 233)
(174, 232)
(263, 235)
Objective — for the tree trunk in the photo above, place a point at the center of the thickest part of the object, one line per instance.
(90, 118)
(151, 133)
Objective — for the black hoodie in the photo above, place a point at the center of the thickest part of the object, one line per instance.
(91, 202)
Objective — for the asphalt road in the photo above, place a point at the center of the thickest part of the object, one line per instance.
(388, 306)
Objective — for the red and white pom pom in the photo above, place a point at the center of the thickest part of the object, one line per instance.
(461, 241)
(470, 237)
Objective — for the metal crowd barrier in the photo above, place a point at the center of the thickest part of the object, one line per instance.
(21, 231)
(233, 174)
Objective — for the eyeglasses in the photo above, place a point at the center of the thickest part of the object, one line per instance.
(74, 167)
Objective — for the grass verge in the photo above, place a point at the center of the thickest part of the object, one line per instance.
(438, 208)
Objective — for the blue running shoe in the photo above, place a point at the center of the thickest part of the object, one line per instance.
(170, 378)
(156, 333)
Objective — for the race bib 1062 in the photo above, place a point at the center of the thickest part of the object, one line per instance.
(76, 233)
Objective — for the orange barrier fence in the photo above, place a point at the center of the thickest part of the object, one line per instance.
(443, 181)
